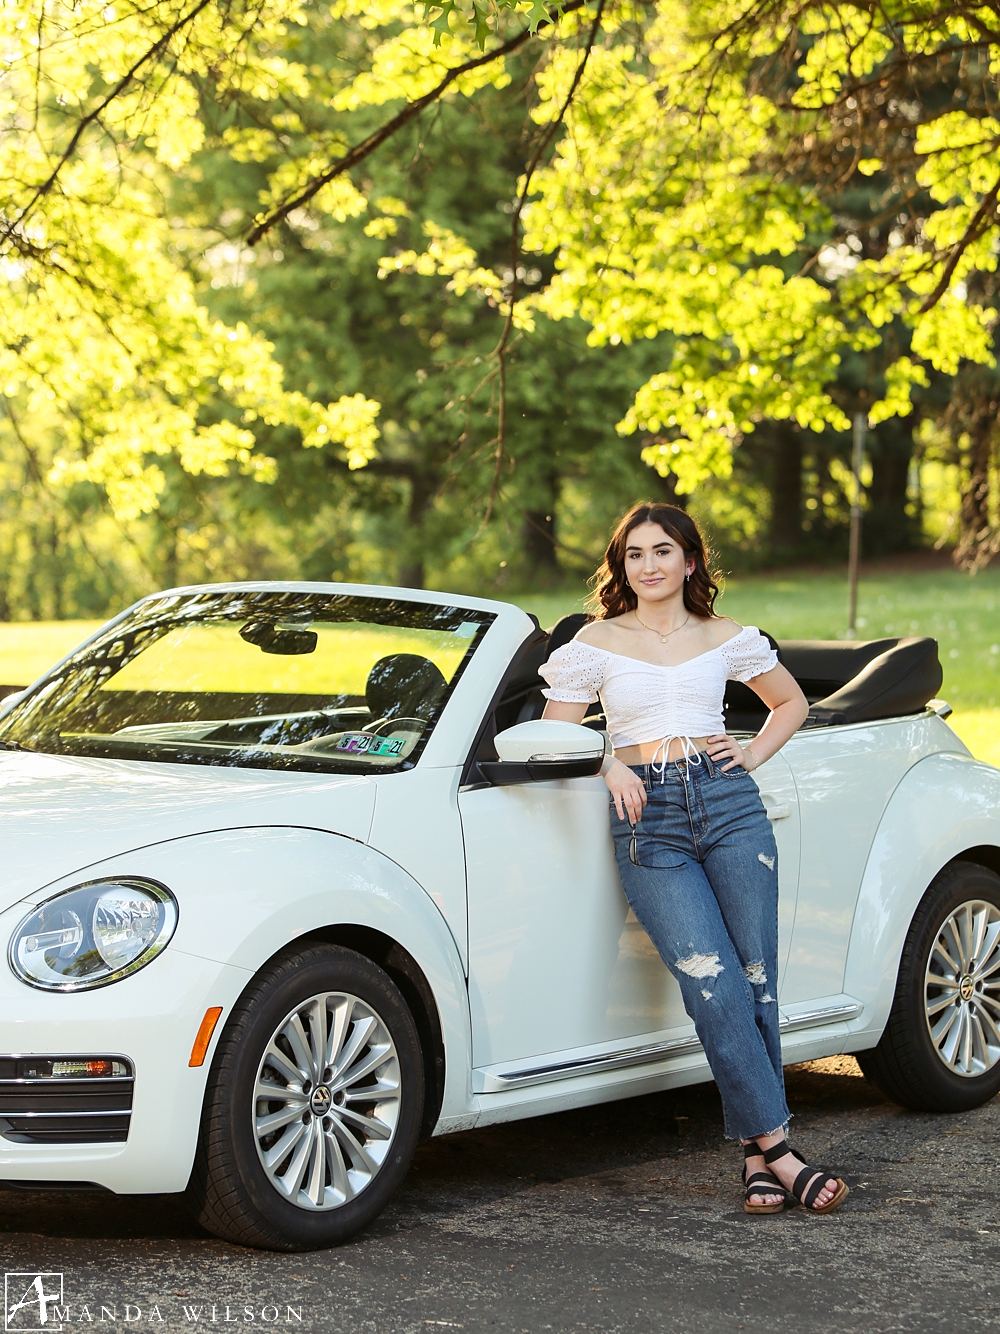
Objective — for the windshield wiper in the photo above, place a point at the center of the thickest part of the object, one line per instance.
(14, 745)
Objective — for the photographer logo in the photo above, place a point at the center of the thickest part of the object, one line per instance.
(33, 1301)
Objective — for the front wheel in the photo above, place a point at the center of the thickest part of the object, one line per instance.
(940, 1051)
(313, 1106)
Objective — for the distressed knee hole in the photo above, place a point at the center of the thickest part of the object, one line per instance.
(767, 999)
(700, 965)
(766, 861)
(706, 995)
(756, 973)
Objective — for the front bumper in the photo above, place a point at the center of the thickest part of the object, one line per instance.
(151, 1018)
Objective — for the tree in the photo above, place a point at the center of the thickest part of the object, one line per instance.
(683, 173)
(697, 190)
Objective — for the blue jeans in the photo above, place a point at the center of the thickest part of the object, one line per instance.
(706, 892)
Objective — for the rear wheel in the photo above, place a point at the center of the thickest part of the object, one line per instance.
(313, 1105)
(940, 1051)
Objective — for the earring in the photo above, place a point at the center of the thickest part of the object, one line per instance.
(688, 575)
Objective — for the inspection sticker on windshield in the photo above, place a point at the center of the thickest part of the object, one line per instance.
(363, 743)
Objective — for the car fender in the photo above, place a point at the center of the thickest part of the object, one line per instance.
(243, 894)
(943, 806)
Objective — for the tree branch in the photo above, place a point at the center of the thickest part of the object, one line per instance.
(412, 109)
(126, 79)
(975, 229)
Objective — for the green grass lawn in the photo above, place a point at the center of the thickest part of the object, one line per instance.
(961, 613)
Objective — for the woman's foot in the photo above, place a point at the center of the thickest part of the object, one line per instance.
(762, 1196)
(788, 1167)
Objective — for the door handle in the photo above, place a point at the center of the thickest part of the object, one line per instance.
(779, 811)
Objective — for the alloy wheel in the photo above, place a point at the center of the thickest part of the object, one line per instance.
(962, 989)
(326, 1101)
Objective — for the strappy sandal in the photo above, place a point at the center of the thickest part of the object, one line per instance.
(761, 1183)
(801, 1190)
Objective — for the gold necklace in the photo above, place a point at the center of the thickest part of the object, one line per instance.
(663, 638)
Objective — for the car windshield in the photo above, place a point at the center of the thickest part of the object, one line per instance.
(321, 682)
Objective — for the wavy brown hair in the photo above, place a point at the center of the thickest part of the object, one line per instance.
(612, 595)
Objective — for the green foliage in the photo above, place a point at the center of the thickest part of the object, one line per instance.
(483, 234)
(103, 343)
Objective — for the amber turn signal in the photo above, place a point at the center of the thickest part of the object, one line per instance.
(205, 1031)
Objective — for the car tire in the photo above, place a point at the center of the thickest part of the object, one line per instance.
(949, 1069)
(313, 1163)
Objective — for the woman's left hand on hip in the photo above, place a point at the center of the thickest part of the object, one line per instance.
(725, 747)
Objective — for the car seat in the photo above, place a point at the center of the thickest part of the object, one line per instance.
(404, 685)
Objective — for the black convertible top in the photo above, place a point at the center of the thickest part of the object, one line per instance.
(848, 681)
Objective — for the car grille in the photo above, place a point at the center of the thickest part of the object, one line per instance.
(65, 1099)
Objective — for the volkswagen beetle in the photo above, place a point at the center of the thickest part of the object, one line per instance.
(295, 874)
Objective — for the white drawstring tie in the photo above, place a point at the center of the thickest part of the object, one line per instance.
(690, 754)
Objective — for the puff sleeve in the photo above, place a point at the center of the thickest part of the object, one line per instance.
(575, 673)
(748, 654)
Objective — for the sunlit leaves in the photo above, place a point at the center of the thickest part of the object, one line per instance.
(900, 377)
(664, 211)
(103, 334)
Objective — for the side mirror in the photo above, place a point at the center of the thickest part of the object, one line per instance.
(537, 752)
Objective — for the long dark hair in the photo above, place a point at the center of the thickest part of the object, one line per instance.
(612, 595)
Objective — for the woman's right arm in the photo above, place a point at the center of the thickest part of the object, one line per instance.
(626, 787)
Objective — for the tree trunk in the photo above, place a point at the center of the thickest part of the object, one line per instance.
(786, 488)
(31, 582)
(970, 418)
(538, 542)
(57, 573)
(668, 493)
(975, 547)
(171, 556)
(888, 528)
(412, 566)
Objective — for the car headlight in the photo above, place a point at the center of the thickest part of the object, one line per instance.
(93, 934)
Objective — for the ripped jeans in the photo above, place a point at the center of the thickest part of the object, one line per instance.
(706, 892)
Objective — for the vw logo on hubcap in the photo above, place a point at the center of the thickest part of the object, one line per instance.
(320, 1101)
(967, 987)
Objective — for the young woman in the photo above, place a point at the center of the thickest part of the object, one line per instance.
(693, 843)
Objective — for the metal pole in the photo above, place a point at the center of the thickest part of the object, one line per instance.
(860, 428)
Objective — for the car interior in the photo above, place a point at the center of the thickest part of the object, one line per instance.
(848, 681)
(403, 694)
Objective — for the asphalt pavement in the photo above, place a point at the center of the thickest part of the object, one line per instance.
(626, 1217)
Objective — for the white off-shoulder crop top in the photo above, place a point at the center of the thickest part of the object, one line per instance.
(646, 701)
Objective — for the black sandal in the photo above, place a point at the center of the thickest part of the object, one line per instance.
(801, 1190)
(761, 1183)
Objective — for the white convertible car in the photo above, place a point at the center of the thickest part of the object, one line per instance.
(295, 875)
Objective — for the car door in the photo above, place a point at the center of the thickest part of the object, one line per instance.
(558, 964)
(844, 776)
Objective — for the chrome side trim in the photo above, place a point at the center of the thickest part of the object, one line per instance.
(585, 1065)
(833, 1014)
(484, 1082)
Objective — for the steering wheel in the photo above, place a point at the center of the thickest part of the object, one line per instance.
(386, 725)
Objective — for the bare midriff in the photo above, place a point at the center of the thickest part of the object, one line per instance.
(649, 750)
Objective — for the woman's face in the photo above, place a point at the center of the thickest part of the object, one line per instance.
(655, 564)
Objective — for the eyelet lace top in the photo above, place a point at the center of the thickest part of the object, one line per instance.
(647, 701)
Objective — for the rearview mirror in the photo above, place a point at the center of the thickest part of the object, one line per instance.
(540, 751)
(271, 638)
